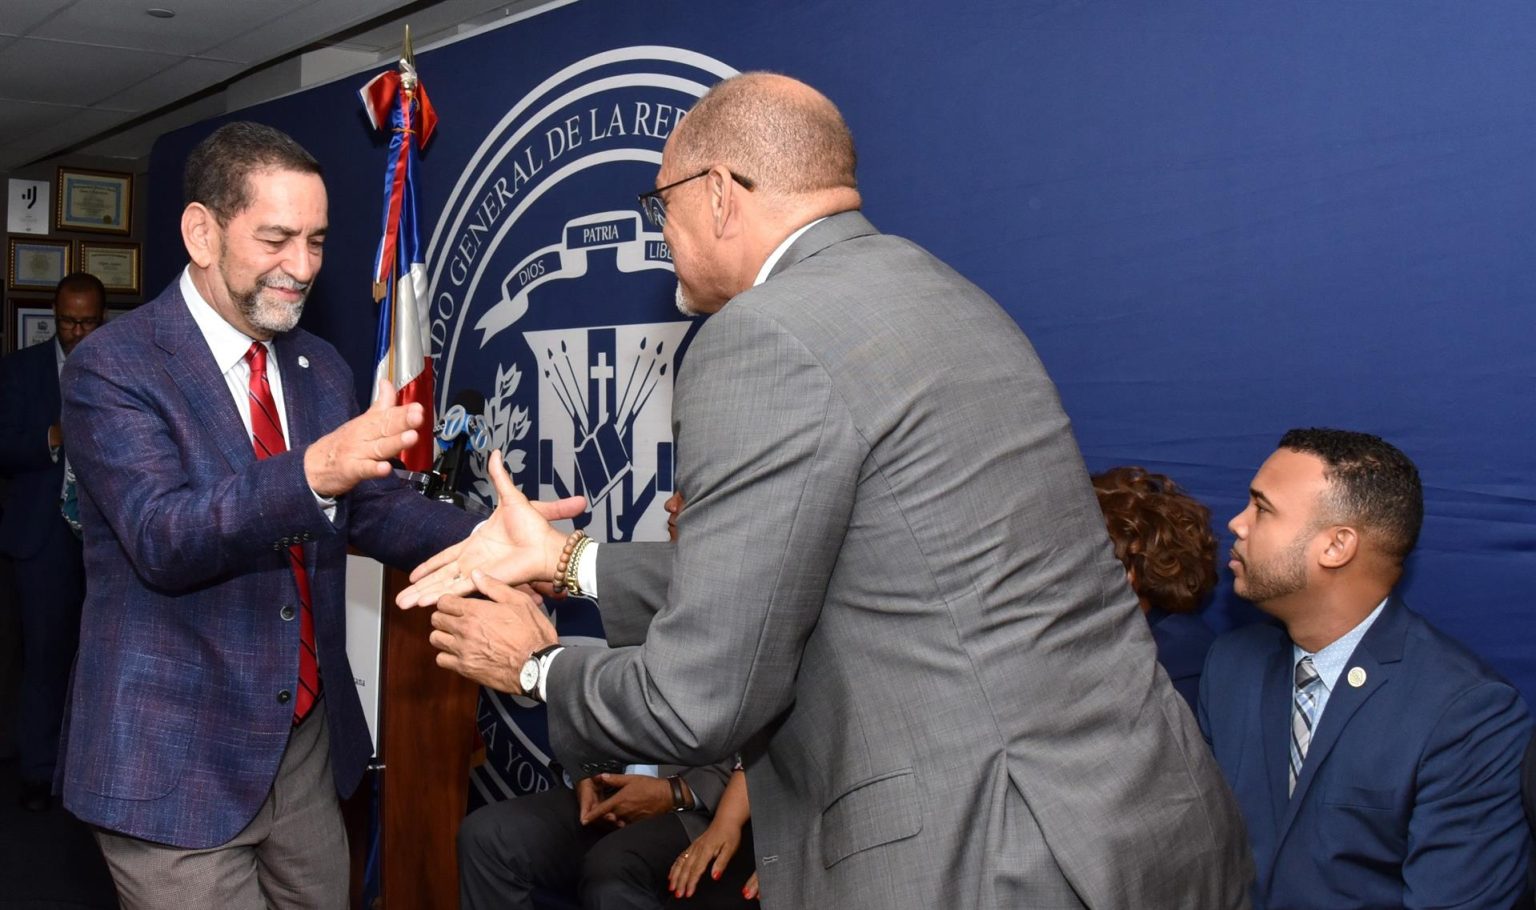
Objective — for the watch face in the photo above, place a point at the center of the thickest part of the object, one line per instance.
(529, 677)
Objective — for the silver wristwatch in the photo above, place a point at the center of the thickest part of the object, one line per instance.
(536, 670)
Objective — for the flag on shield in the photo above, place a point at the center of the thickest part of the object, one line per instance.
(396, 100)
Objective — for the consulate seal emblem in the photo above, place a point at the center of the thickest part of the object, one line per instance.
(551, 294)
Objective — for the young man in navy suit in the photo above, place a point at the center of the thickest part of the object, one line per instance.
(1376, 761)
(50, 578)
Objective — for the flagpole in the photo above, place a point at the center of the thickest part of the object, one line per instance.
(396, 101)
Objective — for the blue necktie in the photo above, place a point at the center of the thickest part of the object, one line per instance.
(1303, 716)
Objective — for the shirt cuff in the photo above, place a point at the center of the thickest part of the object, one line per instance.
(549, 666)
(586, 571)
(327, 505)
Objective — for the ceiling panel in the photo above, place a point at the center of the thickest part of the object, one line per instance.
(197, 26)
(51, 71)
(72, 72)
(31, 146)
(27, 117)
(186, 77)
(301, 27)
(136, 141)
(21, 16)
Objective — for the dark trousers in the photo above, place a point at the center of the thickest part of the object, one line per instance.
(50, 587)
(511, 849)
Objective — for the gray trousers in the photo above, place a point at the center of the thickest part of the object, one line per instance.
(292, 856)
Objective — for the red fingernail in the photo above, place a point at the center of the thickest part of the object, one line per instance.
(717, 875)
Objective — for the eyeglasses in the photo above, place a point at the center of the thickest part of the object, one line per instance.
(656, 211)
(67, 323)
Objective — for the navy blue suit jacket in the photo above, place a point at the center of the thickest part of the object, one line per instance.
(1182, 640)
(29, 405)
(1410, 792)
(175, 726)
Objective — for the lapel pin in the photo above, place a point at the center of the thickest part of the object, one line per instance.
(1356, 677)
(303, 362)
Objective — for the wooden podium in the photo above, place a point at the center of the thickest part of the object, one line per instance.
(425, 734)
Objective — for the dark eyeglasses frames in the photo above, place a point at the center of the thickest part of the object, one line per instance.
(656, 211)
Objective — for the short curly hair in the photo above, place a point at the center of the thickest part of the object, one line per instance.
(1162, 535)
(1371, 483)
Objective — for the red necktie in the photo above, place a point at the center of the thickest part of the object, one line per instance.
(267, 438)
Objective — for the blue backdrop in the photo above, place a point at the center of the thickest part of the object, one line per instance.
(1215, 221)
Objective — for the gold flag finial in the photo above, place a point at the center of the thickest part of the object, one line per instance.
(410, 59)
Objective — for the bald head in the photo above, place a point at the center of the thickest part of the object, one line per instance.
(780, 133)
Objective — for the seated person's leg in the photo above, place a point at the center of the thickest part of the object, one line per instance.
(509, 848)
(628, 868)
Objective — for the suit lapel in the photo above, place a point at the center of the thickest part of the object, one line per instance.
(289, 351)
(1376, 656)
(1275, 714)
(296, 389)
(50, 375)
(191, 366)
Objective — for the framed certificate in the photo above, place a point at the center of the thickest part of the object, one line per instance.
(93, 201)
(28, 321)
(116, 264)
(36, 265)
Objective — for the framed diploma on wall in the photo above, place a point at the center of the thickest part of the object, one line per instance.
(93, 201)
(28, 321)
(36, 265)
(116, 264)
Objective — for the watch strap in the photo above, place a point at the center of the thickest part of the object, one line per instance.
(542, 658)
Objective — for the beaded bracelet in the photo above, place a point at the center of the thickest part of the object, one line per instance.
(565, 576)
(573, 570)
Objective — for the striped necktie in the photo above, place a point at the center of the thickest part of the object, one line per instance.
(267, 439)
(1303, 716)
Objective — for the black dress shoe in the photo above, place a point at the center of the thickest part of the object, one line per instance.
(35, 796)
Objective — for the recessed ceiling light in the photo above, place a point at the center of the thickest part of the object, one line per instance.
(161, 12)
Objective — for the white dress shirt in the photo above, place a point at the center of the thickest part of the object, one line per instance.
(228, 345)
(1329, 661)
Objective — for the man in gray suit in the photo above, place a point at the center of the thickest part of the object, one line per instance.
(892, 590)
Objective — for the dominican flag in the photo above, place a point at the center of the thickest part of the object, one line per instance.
(396, 100)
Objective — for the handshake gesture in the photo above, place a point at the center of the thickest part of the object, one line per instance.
(488, 618)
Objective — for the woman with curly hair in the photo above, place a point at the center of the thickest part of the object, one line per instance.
(1163, 537)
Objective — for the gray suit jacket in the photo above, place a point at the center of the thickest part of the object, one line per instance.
(893, 592)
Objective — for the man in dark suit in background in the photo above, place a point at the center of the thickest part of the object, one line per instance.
(50, 579)
(223, 472)
(1376, 760)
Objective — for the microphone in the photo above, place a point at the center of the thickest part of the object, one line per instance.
(456, 434)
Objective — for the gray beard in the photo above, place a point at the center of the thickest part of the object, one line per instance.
(268, 315)
(684, 305)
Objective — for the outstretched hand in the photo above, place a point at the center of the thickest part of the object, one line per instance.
(516, 545)
(361, 448)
